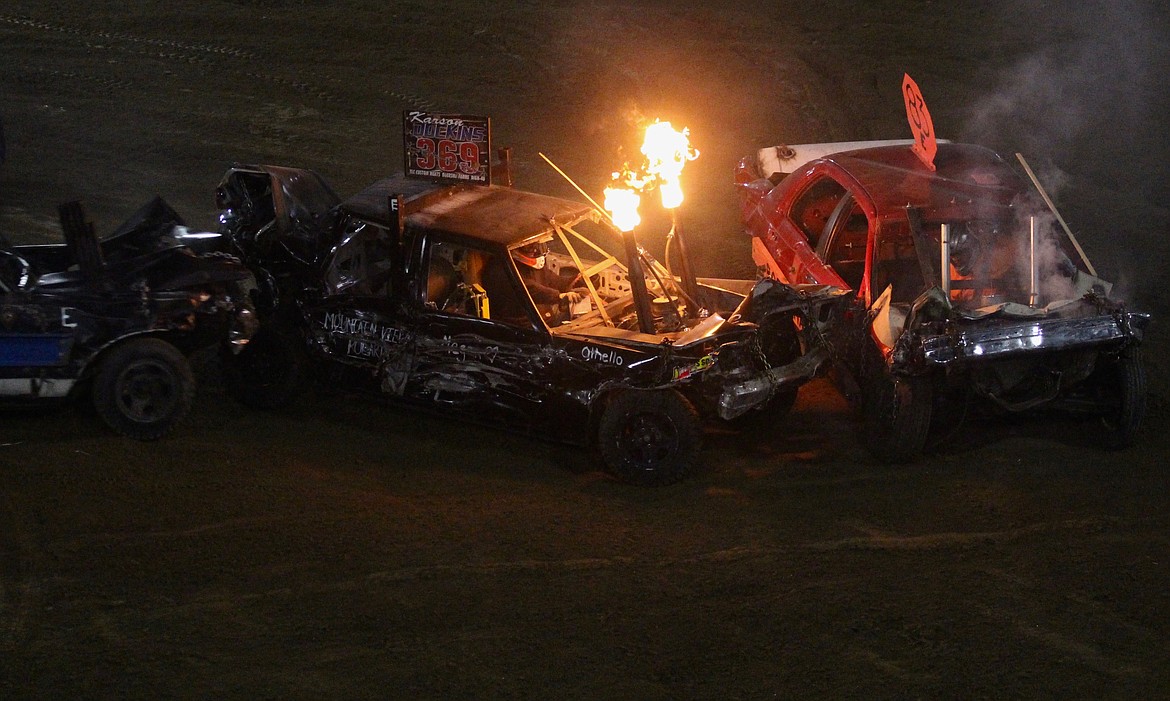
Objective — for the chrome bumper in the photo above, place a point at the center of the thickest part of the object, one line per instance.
(1033, 336)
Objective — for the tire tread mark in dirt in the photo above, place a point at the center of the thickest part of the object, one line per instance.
(119, 36)
(189, 53)
(85, 78)
(926, 542)
(1084, 608)
(1087, 654)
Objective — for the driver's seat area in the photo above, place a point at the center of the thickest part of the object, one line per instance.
(442, 279)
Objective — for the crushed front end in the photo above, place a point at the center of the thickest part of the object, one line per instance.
(1017, 356)
(789, 346)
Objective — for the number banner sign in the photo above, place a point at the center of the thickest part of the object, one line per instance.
(921, 125)
(452, 148)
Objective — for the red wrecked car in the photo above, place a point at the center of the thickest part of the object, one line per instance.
(964, 287)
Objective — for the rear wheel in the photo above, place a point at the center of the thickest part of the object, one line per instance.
(649, 438)
(143, 388)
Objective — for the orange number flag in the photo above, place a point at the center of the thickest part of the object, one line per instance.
(925, 146)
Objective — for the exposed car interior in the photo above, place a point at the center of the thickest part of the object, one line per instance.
(813, 208)
(455, 284)
(455, 280)
(844, 241)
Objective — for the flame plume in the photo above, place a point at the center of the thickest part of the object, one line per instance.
(622, 205)
(667, 152)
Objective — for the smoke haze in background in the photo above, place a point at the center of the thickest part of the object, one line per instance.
(1093, 66)
(1080, 90)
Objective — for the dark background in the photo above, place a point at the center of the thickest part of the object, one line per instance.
(336, 550)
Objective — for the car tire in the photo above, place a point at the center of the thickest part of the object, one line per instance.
(649, 438)
(896, 416)
(1126, 398)
(269, 371)
(143, 387)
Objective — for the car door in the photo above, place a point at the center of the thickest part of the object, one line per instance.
(358, 323)
(466, 361)
(796, 226)
(844, 244)
(38, 353)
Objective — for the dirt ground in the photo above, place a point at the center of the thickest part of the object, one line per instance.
(337, 550)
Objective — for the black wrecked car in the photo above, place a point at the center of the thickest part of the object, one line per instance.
(114, 320)
(508, 307)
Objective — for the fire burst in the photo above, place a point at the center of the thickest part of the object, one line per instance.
(622, 205)
(667, 152)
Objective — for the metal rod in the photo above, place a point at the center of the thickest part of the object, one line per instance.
(584, 194)
(1052, 208)
(637, 277)
(635, 272)
(690, 285)
(504, 168)
(1034, 276)
(945, 263)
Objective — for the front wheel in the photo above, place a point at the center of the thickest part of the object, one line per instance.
(1126, 403)
(143, 388)
(897, 413)
(649, 438)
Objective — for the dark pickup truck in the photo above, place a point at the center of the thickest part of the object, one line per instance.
(114, 320)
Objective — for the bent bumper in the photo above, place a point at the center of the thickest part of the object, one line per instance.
(742, 397)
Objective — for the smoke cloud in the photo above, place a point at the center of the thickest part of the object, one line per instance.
(1076, 65)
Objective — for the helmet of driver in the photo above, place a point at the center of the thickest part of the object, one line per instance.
(532, 255)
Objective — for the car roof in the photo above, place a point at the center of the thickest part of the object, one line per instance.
(502, 215)
(968, 180)
(785, 159)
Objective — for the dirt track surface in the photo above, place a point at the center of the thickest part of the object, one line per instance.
(340, 550)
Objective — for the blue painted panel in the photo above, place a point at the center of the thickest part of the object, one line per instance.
(34, 350)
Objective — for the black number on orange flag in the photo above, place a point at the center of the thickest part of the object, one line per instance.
(921, 125)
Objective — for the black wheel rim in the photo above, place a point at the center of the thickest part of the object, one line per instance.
(648, 439)
(147, 391)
